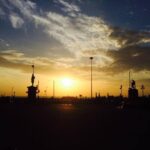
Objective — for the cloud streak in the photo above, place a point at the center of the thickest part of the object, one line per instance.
(78, 33)
(17, 60)
(71, 9)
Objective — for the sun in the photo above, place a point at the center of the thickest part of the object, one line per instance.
(67, 82)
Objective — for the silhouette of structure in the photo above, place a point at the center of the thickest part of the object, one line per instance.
(32, 90)
(91, 58)
(53, 88)
(142, 88)
(45, 91)
(121, 90)
(132, 92)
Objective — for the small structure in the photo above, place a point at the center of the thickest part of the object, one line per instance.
(32, 90)
(121, 90)
(142, 88)
(132, 91)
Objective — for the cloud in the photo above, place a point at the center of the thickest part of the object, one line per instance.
(12, 65)
(17, 60)
(78, 34)
(15, 56)
(129, 37)
(68, 7)
(134, 57)
(2, 13)
(26, 8)
(17, 11)
(75, 33)
(134, 52)
(4, 44)
(115, 49)
(16, 21)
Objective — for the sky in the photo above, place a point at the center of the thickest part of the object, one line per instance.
(59, 36)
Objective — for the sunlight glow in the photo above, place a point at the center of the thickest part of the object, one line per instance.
(67, 82)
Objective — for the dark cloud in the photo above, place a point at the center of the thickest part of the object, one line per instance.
(134, 52)
(129, 37)
(134, 57)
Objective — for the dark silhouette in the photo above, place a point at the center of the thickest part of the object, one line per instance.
(133, 85)
(72, 123)
(91, 58)
(121, 90)
(142, 88)
(33, 90)
(132, 91)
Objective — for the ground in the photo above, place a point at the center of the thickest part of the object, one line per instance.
(67, 126)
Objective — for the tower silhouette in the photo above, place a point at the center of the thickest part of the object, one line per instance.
(32, 90)
(132, 91)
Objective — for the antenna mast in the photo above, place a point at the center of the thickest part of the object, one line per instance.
(129, 80)
(53, 88)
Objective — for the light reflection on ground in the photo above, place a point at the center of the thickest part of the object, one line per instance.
(66, 107)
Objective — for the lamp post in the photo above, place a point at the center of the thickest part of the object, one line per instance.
(53, 88)
(91, 58)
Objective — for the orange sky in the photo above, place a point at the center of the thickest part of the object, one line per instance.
(59, 36)
(19, 81)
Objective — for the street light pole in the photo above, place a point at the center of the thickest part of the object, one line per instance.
(91, 58)
(53, 88)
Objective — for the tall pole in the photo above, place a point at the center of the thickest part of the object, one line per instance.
(91, 58)
(129, 80)
(121, 90)
(38, 88)
(33, 68)
(142, 88)
(53, 88)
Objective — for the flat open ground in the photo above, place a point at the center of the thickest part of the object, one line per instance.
(66, 126)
